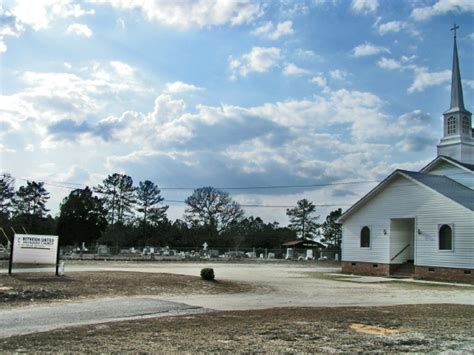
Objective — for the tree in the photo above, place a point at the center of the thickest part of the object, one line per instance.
(31, 199)
(118, 194)
(331, 230)
(148, 199)
(213, 209)
(7, 192)
(82, 217)
(303, 220)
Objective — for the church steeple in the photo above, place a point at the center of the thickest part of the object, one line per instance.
(458, 140)
(457, 100)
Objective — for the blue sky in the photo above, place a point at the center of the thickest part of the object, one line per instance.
(227, 93)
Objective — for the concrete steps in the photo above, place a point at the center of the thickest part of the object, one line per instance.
(405, 270)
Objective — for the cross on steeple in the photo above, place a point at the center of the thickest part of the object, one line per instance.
(455, 27)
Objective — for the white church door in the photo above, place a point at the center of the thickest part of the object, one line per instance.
(402, 240)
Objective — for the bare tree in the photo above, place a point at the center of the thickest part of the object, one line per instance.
(212, 208)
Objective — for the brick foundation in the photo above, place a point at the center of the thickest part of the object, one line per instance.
(421, 272)
(444, 273)
(365, 268)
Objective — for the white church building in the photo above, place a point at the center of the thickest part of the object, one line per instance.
(420, 223)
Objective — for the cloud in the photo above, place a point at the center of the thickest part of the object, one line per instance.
(9, 26)
(413, 133)
(39, 14)
(293, 69)
(389, 63)
(367, 49)
(320, 81)
(80, 30)
(424, 79)
(338, 74)
(54, 99)
(442, 7)
(180, 87)
(364, 6)
(396, 27)
(259, 59)
(186, 14)
(122, 68)
(268, 30)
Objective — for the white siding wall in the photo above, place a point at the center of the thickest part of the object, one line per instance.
(405, 199)
(453, 172)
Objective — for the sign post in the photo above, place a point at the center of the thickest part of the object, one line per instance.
(34, 249)
(11, 258)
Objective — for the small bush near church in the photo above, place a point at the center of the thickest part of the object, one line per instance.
(207, 274)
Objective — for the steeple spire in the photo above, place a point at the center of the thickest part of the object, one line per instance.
(457, 100)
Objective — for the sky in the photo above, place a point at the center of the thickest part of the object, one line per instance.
(228, 93)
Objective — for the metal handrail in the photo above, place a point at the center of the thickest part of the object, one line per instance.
(401, 251)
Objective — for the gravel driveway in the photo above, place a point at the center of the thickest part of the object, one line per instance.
(305, 285)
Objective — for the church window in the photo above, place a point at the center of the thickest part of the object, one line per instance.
(451, 125)
(465, 125)
(365, 237)
(445, 237)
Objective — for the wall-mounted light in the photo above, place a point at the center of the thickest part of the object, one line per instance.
(419, 231)
(384, 232)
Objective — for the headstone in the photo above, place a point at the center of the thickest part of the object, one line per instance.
(204, 246)
(289, 253)
(271, 255)
(309, 254)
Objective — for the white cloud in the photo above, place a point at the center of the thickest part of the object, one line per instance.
(338, 74)
(468, 83)
(367, 49)
(185, 14)
(268, 30)
(64, 98)
(389, 63)
(179, 87)
(80, 30)
(395, 27)
(40, 13)
(424, 79)
(259, 59)
(9, 26)
(123, 68)
(305, 53)
(365, 6)
(442, 7)
(320, 81)
(293, 69)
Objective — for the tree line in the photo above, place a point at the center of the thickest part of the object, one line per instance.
(119, 213)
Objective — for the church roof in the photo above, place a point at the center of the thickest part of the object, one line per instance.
(439, 158)
(443, 185)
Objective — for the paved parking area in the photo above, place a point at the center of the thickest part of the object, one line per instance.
(43, 318)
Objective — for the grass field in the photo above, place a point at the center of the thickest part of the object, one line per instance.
(414, 328)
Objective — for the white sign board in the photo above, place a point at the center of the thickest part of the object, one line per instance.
(35, 249)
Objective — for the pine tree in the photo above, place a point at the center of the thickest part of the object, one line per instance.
(31, 199)
(7, 192)
(118, 195)
(148, 199)
(303, 220)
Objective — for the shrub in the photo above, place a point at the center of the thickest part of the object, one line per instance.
(207, 274)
